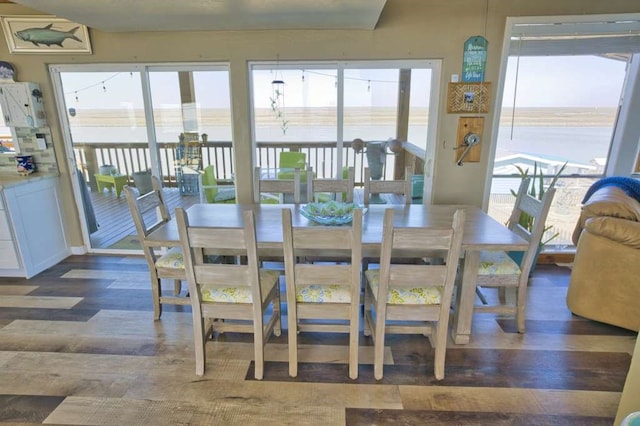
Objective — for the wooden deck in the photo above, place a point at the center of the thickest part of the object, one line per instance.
(114, 218)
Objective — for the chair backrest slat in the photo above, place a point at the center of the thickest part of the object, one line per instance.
(405, 275)
(333, 186)
(397, 187)
(279, 186)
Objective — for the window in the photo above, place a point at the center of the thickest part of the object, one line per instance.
(560, 104)
(320, 108)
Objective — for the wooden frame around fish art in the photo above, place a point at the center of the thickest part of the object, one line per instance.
(45, 34)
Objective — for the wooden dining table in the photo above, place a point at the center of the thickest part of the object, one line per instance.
(481, 232)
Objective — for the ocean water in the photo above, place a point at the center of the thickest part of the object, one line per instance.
(574, 144)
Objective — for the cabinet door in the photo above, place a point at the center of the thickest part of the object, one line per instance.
(22, 105)
(35, 211)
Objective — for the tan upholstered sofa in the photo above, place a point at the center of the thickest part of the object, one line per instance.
(605, 281)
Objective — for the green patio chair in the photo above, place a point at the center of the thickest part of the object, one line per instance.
(212, 192)
(289, 161)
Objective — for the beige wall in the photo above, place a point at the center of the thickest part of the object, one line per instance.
(408, 29)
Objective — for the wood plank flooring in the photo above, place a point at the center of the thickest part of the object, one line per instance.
(78, 345)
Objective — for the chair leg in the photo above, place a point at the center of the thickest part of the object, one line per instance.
(521, 304)
(292, 323)
(378, 346)
(480, 295)
(199, 339)
(277, 328)
(156, 290)
(440, 343)
(368, 300)
(258, 348)
(177, 287)
(354, 329)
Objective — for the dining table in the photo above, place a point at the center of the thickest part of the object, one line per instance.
(481, 232)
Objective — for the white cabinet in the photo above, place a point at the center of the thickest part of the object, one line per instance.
(22, 105)
(33, 210)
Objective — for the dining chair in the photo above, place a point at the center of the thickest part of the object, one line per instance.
(322, 297)
(321, 190)
(404, 298)
(211, 191)
(401, 187)
(502, 270)
(149, 211)
(272, 191)
(229, 297)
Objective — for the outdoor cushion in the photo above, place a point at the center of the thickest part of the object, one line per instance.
(405, 295)
(497, 263)
(226, 194)
(215, 293)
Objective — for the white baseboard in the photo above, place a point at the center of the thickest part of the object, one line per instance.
(77, 250)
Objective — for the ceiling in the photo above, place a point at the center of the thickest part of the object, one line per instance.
(207, 15)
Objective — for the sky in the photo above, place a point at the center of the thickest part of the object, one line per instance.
(565, 81)
(569, 81)
(578, 81)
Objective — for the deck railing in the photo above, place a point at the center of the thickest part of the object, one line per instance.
(129, 158)
(321, 156)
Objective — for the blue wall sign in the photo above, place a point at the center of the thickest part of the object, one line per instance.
(474, 59)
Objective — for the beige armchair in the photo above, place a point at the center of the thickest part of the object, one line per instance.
(605, 281)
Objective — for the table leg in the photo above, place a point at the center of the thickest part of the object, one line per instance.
(466, 298)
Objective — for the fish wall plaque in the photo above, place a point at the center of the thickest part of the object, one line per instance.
(45, 34)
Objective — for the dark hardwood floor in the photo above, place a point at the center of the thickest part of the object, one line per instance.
(78, 345)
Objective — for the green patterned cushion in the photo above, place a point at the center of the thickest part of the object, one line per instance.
(213, 293)
(171, 259)
(497, 263)
(406, 295)
(319, 293)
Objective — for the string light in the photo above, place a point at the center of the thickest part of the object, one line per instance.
(353, 78)
(102, 82)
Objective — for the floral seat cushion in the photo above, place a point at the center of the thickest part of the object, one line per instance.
(317, 293)
(171, 259)
(224, 294)
(406, 295)
(494, 263)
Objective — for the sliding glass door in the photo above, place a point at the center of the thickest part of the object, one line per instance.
(123, 124)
